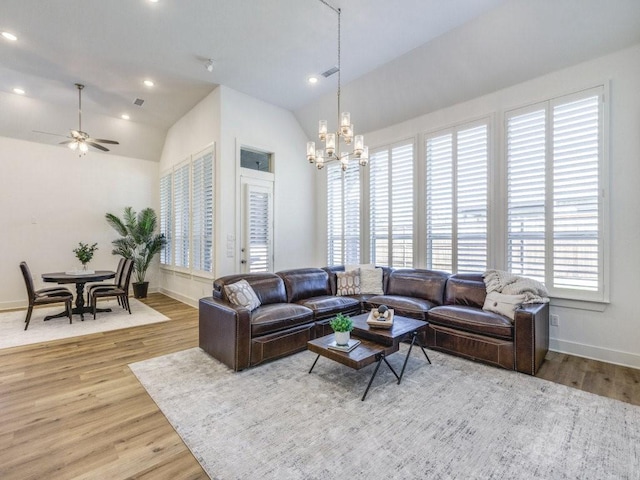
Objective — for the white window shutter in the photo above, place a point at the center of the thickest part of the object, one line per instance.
(166, 218)
(259, 235)
(202, 212)
(181, 216)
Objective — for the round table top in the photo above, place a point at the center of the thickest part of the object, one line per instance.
(78, 277)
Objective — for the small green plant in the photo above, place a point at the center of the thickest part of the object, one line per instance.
(341, 323)
(84, 252)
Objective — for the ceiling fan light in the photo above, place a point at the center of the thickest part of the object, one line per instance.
(73, 145)
(84, 147)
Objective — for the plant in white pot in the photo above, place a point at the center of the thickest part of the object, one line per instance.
(138, 241)
(342, 326)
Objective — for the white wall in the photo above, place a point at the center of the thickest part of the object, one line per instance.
(50, 199)
(230, 118)
(612, 334)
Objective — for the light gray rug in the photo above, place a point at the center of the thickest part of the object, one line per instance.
(454, 419)
(13, 333)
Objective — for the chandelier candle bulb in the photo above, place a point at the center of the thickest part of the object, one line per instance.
(358, 145)
(311, 151)
(322, 129)
(345, 120)
(331, 144)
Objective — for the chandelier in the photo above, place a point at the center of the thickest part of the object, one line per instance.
(344, 135)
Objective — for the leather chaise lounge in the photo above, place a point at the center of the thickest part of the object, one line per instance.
(296, 306)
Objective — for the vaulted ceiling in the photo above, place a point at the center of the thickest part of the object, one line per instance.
(399, 58)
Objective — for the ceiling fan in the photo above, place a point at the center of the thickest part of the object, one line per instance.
(79, 140)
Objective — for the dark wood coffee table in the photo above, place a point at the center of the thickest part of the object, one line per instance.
(375, 345)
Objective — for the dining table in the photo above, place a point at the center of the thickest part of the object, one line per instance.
(80, 278)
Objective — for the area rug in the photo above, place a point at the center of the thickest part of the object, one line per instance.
(454, 419)
(13, 333)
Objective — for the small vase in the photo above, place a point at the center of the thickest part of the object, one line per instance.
(342, 338)
(84, 267)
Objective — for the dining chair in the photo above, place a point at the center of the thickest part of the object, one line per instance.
(101, 286)
(44, 296)
(120, 291)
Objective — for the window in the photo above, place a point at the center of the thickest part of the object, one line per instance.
(457, 199)
(554, 201)
(391, 205)
(343, 214)
(186, 214)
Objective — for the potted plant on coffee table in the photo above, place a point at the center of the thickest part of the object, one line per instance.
(138, 241)
(342, 326)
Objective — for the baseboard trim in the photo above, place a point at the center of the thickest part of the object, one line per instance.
(181, 298)
(13, 305)
(592, 352)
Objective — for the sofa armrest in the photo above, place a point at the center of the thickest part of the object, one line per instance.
(225, 332)
(531, 337)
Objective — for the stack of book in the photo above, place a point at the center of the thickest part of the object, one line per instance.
(353, 343)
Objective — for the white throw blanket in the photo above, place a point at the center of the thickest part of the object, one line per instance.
(510, 284)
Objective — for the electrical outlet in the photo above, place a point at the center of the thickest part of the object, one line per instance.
(555, 320)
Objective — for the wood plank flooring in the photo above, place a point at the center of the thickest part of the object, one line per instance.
(72, 409)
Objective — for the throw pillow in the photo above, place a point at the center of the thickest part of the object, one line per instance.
(371, 281)
(348, 283)
(241, 294)
(503, 304)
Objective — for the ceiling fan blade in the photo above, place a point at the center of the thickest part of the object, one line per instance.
(67, 142)
(99, 147)
(101, 140)
(48, 133)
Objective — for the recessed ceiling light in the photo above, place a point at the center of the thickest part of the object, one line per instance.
(312, 79)
(19, 91)
(124, 116)
(148, 83)
(153, 1)
(9, 36)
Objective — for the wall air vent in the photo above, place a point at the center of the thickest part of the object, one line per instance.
(138, 102)
(330, 72)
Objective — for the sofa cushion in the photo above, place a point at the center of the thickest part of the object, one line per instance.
(241, 294)
(303, 283)
(278, 316)
(426, 284)
(348, 283)
(465, 289)
(329, 305)
(405, 306)
(472, 319)
(268, 287)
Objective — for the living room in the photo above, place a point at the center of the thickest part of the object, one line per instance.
(52, 199)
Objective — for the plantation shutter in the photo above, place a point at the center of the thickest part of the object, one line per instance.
(379, 206)
(401, 199)
(259, 229)
(351, 209)
(576, 188)
(472, 199)
(457, 199)
(181, 216)
(165, 218)
(526, 191)
(202, 212)
(391, 205)
(439, 202)
(334, 215)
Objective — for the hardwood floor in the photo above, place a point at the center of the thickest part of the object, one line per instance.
(72, 409)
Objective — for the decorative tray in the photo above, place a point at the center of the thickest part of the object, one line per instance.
(376, 323)
(80, 272)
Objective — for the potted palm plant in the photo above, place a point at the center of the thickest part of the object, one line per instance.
(138, 241)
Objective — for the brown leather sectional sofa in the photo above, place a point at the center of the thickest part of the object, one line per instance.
(296, 306)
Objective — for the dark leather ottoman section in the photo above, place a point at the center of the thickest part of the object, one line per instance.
(278, 316)
(473, 320)
(476, 347)
(405, 306)
(328, 306)
(276, 345)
